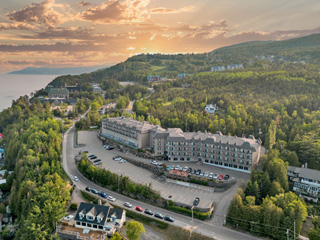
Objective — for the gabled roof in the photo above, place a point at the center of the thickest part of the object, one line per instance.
(306, 173)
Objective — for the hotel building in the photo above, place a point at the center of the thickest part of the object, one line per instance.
(174, 145)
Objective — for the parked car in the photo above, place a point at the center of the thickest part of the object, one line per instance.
(109, 148)
(177, 167)
(122, 161)
(76, 179)
(201, 174)
(105, 146)
(189, 170)
(180, 168)
(140, 209)
(226, 177)
(97, 160)
(95, 157)
(220, 177)
(91, 156)
(185, 168)
(158, 215)
(199, 170)
(206, 174)
(95, 191)
(103, 194)
(149, 212)
(210, 175)
(215, 176)
(127, 204)
(154, 162)
(169, 219)
(112, 199)
(196, 201)
(85, 151)
(169, 168)
(117, 158)
(88, 189)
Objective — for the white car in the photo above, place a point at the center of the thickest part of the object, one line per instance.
(177, 167)
(210, 175)
(206, 174)
(127, 204)
(122, 161)
(76, 179)
(154, 163)
(117, 158)
(215, 176)
(185, 168)
(105, 146)
(111, 199)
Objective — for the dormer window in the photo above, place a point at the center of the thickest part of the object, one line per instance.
(99, 219)
(80, 216)
(90, 218)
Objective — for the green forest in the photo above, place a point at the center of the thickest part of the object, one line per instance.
(33, 147)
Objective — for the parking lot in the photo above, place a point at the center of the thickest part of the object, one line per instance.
(168, 190)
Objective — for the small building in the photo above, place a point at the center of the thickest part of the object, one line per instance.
(210, 108)
(58, 93)
(97, 88)
(218, 68)
(92, 221)
(152, 78)
(73, 89)
(177, 174)
(306, 182)
(182, 75)
(234, 66)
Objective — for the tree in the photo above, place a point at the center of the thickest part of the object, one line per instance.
(116, 236)
(275, 189)
(271, 135)
(134, 230)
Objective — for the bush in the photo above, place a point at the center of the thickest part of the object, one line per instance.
(73, 206)
(196, 214)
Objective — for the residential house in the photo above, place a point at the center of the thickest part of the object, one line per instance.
(234, 66)
(218, 68)
(97, 88)
(152, 78)
(306, 182)
(92, 221)
(210, 108)
(58, 93)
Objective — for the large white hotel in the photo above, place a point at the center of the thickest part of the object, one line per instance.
(174, 145)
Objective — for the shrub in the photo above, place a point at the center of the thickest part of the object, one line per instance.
(74, 206)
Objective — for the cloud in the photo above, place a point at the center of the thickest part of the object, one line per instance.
(116, 11)
(15, 26)
(84, 4)
(35, 13)
(162, 10)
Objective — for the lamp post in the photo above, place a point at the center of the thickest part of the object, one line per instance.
(191, 221)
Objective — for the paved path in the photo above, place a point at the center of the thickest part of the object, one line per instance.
(204, 227)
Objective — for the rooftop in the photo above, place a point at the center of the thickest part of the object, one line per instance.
(131, 123)
(306, 173)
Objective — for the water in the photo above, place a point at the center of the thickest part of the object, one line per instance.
(12, 86)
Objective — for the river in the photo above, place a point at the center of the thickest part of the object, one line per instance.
(12, 86)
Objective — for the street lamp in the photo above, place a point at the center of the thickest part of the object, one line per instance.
(191, 221)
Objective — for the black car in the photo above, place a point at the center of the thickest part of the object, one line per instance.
(149, 212)
(85, 151)
(95, 157)
(97, 160)
(109, 148)
(226, 177)
(94, 191)
(91, 155)
(199, 170)
(189, 170)
(169, 219)
(158, 215)
(196, 201)
(88, 189)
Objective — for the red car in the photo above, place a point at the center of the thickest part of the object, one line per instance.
(140, 209)
(220, 177)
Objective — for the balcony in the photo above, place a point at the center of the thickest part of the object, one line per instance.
(317, 184)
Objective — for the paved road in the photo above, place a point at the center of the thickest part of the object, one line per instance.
(203, 227)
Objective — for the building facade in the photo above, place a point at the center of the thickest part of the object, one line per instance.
(306, 182)
(99, 217)
(174, 145)
(127, 131)
(58, 93)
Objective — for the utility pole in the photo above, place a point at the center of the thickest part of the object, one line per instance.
(294, 230)
(287, 234)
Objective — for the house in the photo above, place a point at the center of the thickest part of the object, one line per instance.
(58, 93)
(234, 66)
(152, 78)
(92, 221)
(97, 88)
(210, 108)
(218, 68)
(306, 182)
(182, 75)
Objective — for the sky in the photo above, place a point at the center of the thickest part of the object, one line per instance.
(75, 33)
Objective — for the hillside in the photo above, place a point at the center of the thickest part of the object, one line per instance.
(297, 49)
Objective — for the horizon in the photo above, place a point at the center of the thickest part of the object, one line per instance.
(54, 34)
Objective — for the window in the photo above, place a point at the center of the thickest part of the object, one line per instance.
(207, 161)
(78, 223)
(100, 227)
(89, 225)
(226, 164)
(182, 159)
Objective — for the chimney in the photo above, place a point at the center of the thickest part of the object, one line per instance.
(99, 202)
